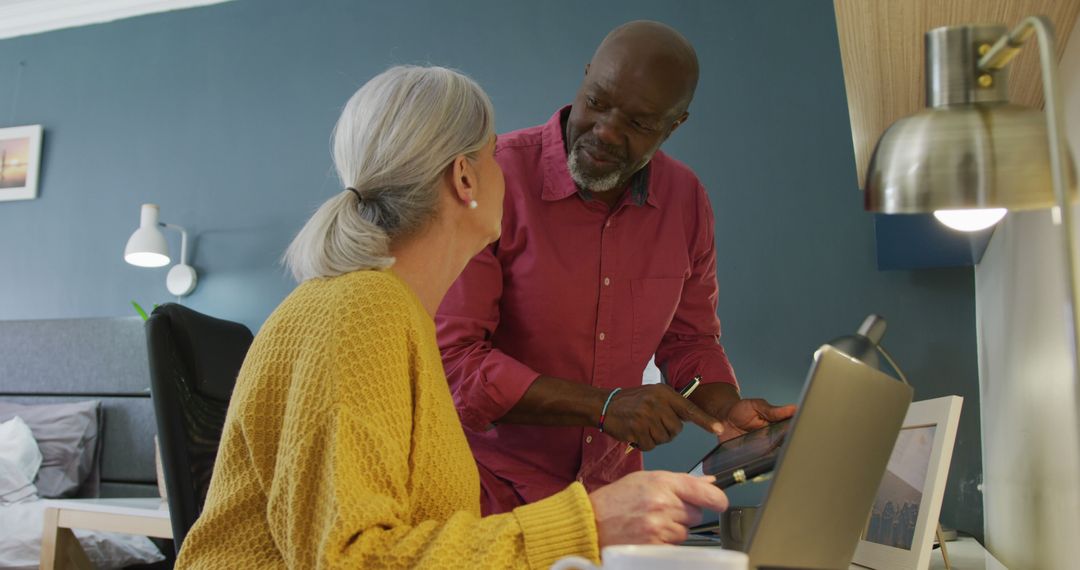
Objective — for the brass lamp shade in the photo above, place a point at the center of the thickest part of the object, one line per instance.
(980, 155)
(970, 148)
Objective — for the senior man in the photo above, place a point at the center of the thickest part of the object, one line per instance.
(606, 259)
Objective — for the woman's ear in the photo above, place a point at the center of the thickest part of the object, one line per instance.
(463, 178)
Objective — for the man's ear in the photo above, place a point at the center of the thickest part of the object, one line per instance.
(587, 69)
(462, 178)
(682, 119)
(678, 122)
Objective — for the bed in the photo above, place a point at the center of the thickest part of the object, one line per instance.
(51, 374)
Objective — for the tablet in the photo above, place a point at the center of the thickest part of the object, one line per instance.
(753, 453)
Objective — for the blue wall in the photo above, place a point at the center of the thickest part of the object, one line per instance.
(222, 116)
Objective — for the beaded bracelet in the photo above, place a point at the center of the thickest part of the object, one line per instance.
(603, 412)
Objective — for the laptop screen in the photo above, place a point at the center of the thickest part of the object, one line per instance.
(829, 464)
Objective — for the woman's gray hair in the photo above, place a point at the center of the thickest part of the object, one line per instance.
(395, 138)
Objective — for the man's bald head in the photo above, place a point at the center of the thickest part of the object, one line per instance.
(658, 50)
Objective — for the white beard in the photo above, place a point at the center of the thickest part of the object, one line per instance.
(600, 184)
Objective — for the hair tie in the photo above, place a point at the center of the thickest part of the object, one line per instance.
(355, 191)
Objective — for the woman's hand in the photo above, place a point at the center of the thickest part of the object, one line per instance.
(653, 507)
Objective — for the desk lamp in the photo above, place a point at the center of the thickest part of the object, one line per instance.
(971, 155)
(147, 248)
(865, 345)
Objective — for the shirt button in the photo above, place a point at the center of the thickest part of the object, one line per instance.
(588, 439)
(601, 336)
(607, 281)
(579, 480)
(607, 224)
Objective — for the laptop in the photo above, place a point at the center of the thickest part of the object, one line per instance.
(828, 466)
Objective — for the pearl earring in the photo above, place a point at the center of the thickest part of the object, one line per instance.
(473, 205)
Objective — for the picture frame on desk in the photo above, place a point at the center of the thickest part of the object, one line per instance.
(899, 533)
(20, 162)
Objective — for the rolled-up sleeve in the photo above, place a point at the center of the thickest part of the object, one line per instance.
(691, 345)
(485, 382)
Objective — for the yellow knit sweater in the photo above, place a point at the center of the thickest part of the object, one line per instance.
(342, 449)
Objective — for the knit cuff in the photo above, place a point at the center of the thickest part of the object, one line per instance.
(560, 525)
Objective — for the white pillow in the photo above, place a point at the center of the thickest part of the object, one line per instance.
(20, 459)
(14, 486)
(18, 446)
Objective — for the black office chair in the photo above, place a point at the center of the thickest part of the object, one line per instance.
(194, 360)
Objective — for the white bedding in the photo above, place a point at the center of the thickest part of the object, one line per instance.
(20, 540)
(22, 513)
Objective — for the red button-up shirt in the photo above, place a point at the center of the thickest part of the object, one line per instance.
(579, 291)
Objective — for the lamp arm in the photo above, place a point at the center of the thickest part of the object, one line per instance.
(998, 56)
(183, 240)
(892, 363)
(1007, 46)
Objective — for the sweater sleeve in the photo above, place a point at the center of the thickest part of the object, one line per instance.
(341, 493)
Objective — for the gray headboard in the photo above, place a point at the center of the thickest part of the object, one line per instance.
(66, 360)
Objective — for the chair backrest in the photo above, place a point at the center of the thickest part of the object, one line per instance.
(194, 360)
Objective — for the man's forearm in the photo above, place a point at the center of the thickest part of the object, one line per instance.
(551, 401)
(716, 398)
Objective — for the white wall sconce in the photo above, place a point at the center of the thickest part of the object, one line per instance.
(147, 248)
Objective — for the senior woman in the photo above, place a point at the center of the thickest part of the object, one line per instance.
(342, 447)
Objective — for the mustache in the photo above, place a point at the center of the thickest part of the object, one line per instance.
(600, 148)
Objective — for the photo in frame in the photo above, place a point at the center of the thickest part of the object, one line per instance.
(20, 162)
(900, 529)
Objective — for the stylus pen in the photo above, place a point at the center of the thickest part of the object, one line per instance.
(748, 472)
(685, 393)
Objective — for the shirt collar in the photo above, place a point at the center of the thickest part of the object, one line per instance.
(557, 182)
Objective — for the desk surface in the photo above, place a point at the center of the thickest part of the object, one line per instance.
(965, 553)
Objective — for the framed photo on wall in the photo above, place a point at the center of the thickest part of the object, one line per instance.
(20, 161)
(900, 530)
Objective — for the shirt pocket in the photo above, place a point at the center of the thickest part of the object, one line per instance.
(654, 302)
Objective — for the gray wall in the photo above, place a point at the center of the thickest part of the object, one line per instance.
(222, 116)
(1028, 378)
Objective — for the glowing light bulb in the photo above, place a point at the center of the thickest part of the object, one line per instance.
(970, 220)
(146, 259)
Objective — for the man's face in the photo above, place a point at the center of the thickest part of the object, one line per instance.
(618, 120)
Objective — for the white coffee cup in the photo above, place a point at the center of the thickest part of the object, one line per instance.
(650, 557)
